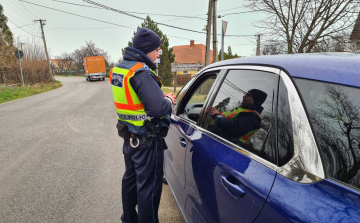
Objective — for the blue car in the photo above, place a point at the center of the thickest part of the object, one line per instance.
(268, 139)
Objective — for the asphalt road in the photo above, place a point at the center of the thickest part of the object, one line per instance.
(61, 159)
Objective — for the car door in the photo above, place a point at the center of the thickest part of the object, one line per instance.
(325, 189)
(226, 181)
(180, 131)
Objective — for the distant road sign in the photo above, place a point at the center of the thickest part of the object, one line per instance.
(157, 60)
(160, 52)
(19, 53)
(224, 26)
(183, 67)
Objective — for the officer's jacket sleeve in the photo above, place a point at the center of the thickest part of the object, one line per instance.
(150, 94)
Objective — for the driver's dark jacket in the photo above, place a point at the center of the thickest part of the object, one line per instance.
(243, 123)
(146, 86)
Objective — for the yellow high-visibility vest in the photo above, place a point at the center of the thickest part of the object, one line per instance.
(231, 116)
(128, 105)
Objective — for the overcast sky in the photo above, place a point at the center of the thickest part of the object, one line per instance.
(66, 32)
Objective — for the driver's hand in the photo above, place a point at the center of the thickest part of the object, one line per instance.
(214, 111)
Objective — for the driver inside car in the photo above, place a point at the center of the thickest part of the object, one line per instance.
(241, 123)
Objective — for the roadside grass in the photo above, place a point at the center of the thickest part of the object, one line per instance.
(194, 98)
(17, 92)
(167, 90)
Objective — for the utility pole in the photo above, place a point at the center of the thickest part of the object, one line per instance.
(208, 34)
(215, 50)
(43, 37)
(21, 44)
(258, 45)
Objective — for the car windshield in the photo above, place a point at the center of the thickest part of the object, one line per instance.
(334, 112)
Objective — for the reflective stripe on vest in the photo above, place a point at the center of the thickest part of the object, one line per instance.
(128, 105)
(231, 115)
(248, 135)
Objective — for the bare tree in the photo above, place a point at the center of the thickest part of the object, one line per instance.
(87, 51)
(271, 49)
(337, 124)
(339, 43)
(302, 23)
(65, 62)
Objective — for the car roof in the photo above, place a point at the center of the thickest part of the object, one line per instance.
(340, 68)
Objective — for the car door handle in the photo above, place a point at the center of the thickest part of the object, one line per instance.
(182, 142)
(232, 185)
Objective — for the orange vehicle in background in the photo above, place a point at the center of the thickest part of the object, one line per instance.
(95, 68)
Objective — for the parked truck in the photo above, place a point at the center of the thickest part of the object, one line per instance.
(95, 68)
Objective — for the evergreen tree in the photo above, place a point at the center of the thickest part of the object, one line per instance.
(227, 55)
(5, 33)
(166, 58)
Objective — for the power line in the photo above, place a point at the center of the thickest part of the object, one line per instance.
(16, 11)
(145, 13)
(110, 22)
(125, 14)
(28, 10)
(175, 27)
(78, 15)
(22, 29)
(230, 9)
(14, 19)
(128, 14)
(238, 13)
(85, 28)
(24, 12)
(22, 26)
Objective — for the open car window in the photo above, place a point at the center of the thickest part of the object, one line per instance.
(195, 98)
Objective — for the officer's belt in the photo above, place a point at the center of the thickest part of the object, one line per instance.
(133, 117)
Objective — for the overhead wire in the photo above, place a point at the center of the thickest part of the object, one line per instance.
(16, 11)
(22, 26)
(239, 13)
(26, 9)
(159, 23)
(145, 13)
(25, 12)
(230, 9)
(138, 17)
(14, 19)
(23, 29)
(118, 25)
(78, 15)
(40, 16)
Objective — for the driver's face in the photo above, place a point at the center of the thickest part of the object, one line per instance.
(247, 99)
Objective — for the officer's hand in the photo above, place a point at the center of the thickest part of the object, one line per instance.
(172, 97)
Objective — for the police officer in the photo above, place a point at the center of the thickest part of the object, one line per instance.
(138, 97)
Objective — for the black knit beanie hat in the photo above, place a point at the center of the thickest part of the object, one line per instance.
(146, 40)
(258, 96)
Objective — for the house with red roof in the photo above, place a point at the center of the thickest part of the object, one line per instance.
(355, 35)
(190, 58)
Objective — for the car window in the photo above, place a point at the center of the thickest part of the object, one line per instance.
(285, 129)
(195, 98)
(184, 89)
(242, 111)
(334, 112)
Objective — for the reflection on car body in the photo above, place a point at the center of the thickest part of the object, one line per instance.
(301, 164)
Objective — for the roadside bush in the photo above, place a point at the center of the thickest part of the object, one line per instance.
(34, 64)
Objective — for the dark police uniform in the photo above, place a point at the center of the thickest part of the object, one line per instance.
(142, 182)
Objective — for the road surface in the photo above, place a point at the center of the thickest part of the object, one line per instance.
(61, 159)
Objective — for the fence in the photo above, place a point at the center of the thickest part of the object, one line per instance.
(182, 79)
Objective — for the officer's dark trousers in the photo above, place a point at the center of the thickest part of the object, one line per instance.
(142, 182)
